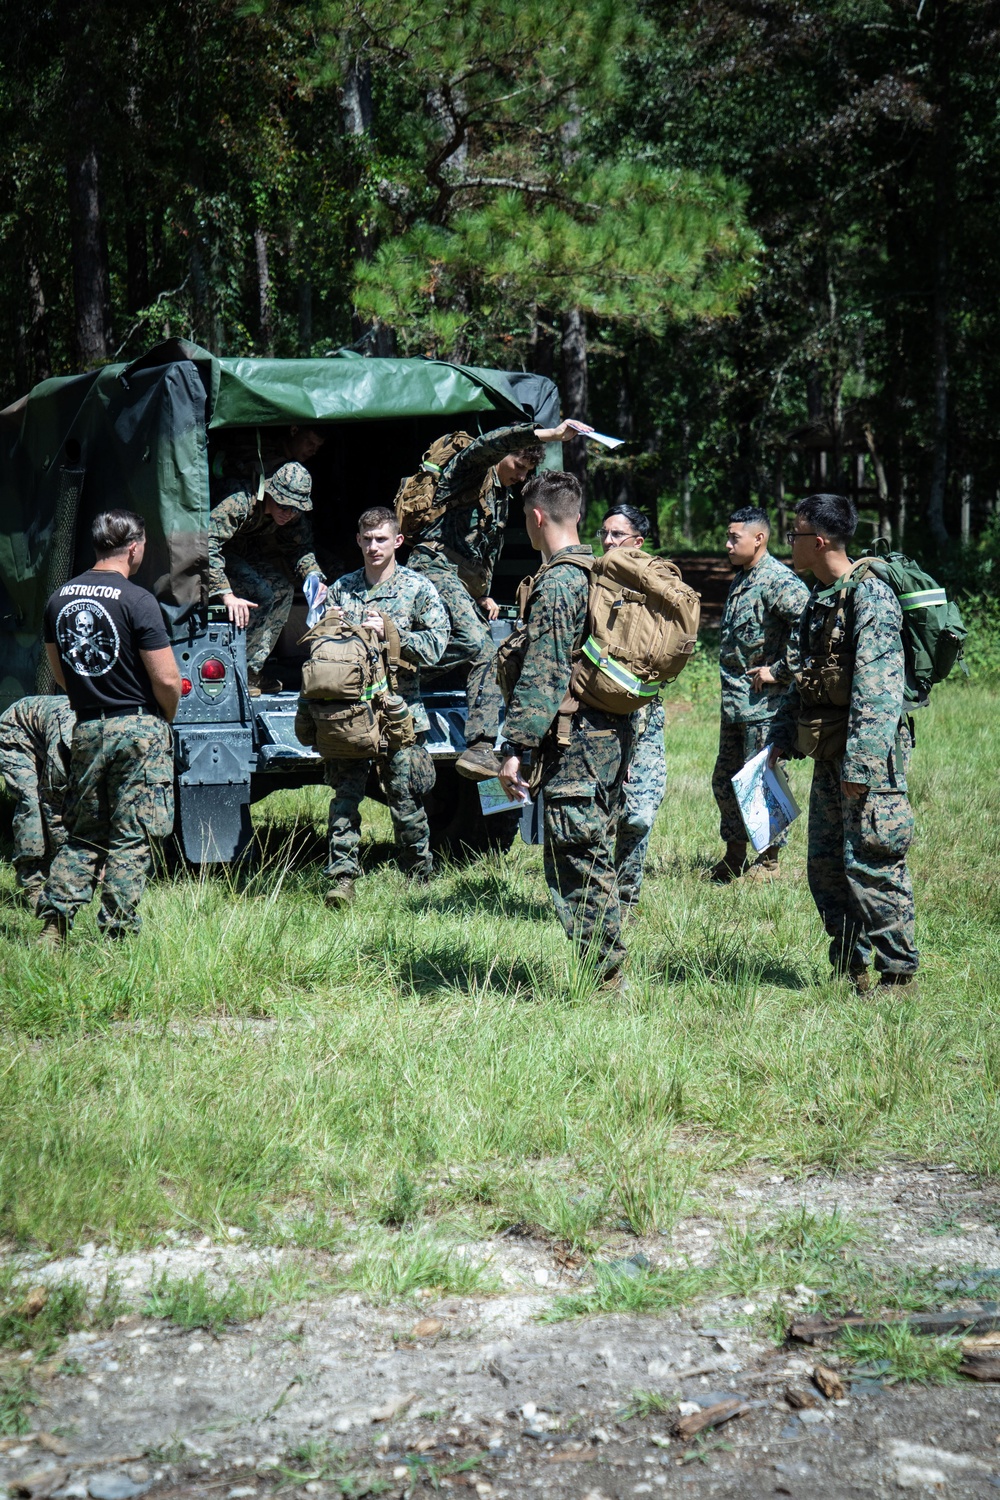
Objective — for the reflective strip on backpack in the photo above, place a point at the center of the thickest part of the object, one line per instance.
(619, 675)
(430, 468)
(923, 598)
(374, 690)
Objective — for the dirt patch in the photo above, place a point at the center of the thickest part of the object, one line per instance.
(472, 1394)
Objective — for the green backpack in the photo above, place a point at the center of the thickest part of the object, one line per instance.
(933, 632)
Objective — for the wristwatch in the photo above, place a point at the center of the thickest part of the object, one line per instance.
(507, 749)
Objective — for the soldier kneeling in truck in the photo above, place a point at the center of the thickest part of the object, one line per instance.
(254, 545)
(382, 624)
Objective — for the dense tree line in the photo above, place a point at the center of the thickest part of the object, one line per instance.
(755, 236)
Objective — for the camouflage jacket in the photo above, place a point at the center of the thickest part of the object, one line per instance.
(414, 606)
(475, 531)
(759, 628)
(41, 727)
(241, 523)
(874, 620)
(554, 629)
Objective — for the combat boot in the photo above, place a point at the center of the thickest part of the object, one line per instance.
(341, 893)
(53, 934)
(257, 683)
(420, 872)
(478, 762)
(861, 981)
(898, 987)
(731, 867)
(765, 866)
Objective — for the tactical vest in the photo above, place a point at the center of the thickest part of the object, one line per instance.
(825, 681)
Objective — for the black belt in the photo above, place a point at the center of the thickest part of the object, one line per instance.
(87, 716)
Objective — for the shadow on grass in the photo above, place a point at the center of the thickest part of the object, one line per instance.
(487, 891)
(733, 972)
(440, 966)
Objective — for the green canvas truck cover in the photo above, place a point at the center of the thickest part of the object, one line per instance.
(137, 436)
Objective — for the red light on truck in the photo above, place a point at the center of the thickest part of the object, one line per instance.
(185, 686)
(212, 670)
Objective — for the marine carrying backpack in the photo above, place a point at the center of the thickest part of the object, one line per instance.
(642, 628)
(416, 499)
(345, 680)
(640, 631)
(932, 630)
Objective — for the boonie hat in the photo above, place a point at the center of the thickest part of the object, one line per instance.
(291, 485)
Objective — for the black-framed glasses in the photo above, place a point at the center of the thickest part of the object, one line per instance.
(792, 536)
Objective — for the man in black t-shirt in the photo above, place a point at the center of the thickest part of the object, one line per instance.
(107, 647)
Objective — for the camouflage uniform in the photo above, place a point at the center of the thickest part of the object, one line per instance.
(582, 782)
(35, 735)
(857, 846)
(758, 629)
(252, 557)
(119, 795)
(473, 534)
(645, 787)
(412, 603)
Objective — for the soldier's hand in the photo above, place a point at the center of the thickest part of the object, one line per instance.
(373, 621)
(511, 780)
(238, 610)
(853, 789)
(561, 434)
(774, 755)
(490, 608)
(760, 677)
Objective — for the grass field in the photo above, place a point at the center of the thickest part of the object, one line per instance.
(434, 1054)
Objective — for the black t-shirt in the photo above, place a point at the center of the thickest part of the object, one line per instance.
(99, 623)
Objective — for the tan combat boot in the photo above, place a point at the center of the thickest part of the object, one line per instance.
(478, 762)
(341, 893)
(53, 934)
(731, 867)
(765, 866)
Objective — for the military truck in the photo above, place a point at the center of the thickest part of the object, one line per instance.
(146, 436)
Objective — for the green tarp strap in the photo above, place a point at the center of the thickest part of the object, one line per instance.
(923, 599)
(619, 675)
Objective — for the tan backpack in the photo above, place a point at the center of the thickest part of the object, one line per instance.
(642, 628)
(345, 679)
(640, 632)
(416, 499)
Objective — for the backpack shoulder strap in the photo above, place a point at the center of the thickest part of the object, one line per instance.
(526, 588)
(844, 590)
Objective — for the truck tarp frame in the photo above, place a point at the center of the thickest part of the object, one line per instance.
(136, 435)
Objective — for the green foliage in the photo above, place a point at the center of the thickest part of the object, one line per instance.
(900, 1354)
(24, 1324)
(618, 1292)
(189, 1302)
(16, 1395)
(407, 1264)
(643, 1404)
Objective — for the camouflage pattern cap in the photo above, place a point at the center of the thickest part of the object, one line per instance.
(291, 486)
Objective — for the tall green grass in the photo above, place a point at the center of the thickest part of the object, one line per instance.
(432, 1052)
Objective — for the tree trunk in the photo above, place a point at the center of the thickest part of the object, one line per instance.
(942, 164)
(305, 291)
(624, 491)
(542, 344)
(574, 391)
(265, 323)
(89, 248)
(686, 528)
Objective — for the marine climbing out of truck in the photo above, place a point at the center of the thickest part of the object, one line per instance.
(146, 436)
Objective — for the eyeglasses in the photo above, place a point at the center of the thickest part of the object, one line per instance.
(616, 536)
(791, 537)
